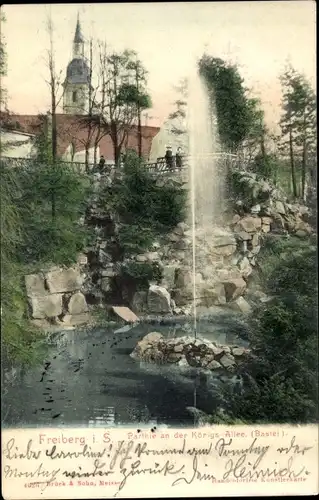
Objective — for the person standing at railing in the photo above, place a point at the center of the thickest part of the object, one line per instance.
(169, 158)
(101, 164)
(179, 158)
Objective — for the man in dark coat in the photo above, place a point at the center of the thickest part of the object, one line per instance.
(169, 158)
(101, 164)
(179, 158)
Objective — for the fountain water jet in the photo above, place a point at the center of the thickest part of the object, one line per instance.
(206, 181)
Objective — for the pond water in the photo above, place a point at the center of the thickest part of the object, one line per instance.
(89, 379)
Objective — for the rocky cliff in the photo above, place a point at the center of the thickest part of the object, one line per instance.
(225, 261)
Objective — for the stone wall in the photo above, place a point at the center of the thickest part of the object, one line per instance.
(185, 351)
(55, 295)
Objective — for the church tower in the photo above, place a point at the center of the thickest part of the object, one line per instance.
(77, 81)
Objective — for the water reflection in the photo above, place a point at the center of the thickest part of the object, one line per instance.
(89, 379)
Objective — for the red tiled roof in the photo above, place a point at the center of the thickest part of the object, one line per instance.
(71, 130)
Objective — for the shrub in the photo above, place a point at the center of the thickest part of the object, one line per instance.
(142, 272)
(143, 209)
(41, 206)
(281, 380)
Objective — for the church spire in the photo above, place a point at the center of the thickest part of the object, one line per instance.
(78, 37)
(78, 41)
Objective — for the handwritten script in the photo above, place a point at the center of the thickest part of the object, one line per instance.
(120, 460)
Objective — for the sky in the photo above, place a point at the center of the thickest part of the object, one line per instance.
(259, 36)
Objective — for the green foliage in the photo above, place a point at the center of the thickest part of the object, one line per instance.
(144, 209)
(239, 116)
(281, 380)
(135, 238)
(122, 97)
(31, 235)
(3, 59)
(276, 250)
(265, 165)
(247, 187)
(298, 128)
(51, 199)
(17, 335)
(142, 272)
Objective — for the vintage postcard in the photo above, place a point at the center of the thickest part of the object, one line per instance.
(158, 250)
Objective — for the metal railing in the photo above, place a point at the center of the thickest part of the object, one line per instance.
(159, 166)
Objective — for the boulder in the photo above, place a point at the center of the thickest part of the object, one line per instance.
(78, 319)
(265, 228)
(213, 295)
(183, 278)
(158, 300)
(183, 297)
(139, 302)
(64, 280)
(77, 304)
(152, 256)
(168, 276)
(48, 306)
(223, 240)
(238, 351)
(248, 224)
(173, 357)
(266, 220)
(235, 219)
(228, 361)
(82, 259)
(214, 365)
(241, 304)
(125, 313)
(106, 284)
(147, 349)
(109, 272)
(35, 285)
(255, 240)
(303, 226)
(278, 224)
(234, 288)
(225, 250)
(216, 350)
(256, 250)
(141, 258)
(279, 207)
(301, 234)
(104, 258)
(243, 236)
(173, 237)
(255, 209)
(245, 267)
(152, 337)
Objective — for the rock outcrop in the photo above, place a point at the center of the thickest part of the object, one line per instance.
(55, 295)
(225, 257)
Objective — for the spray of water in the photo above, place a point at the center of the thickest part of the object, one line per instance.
(206, 183)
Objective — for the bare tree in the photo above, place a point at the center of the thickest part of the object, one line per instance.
(55, 85)
(121, 98)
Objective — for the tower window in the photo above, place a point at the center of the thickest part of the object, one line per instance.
(74, 96)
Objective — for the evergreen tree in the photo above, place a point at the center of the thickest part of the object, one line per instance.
(298, 127)
(3, 60)
(237, 113)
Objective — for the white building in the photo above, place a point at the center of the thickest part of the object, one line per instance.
(16, 144)
(173, 133)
